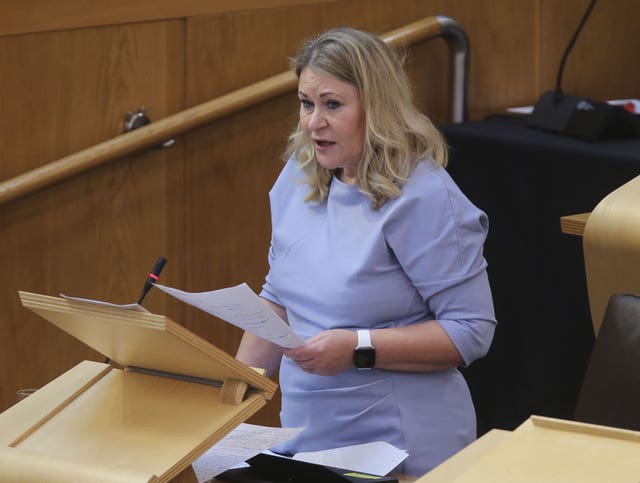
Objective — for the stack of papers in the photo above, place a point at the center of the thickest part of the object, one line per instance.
(247, 440)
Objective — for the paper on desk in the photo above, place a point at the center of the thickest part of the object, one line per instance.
(241, 307)
(244, 442)
(377, 458)
(134, 307)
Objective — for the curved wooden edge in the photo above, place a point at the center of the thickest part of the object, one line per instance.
(414, 32)
(612, 248)
(574, 224)
(181, 122)
(233, 391)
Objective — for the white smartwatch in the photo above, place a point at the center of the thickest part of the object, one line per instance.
(364, 355)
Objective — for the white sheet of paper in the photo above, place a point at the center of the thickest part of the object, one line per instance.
(244, 442)
(241, 307)
(134, 307)
(377, 458)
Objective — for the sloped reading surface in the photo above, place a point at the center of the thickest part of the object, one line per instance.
(135, 339)
(115, 424)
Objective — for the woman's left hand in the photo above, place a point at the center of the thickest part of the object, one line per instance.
(326, 353)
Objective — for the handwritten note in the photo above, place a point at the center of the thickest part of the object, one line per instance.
(241, 307)
(242, 443)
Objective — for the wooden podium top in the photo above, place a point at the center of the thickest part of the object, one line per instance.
(176, 396)
(143, 340)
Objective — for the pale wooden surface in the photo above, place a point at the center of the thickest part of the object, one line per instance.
(21, 467)
(25, 418)
(574, 224)
(611, 244)
(19, 418)
(455, 466)
(203, 203)
(153, 425)
(128, 426)
(545, 450)
(123, 424)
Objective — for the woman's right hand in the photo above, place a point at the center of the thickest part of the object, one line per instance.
(327, 353)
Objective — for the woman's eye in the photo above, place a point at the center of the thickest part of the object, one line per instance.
(333, 104)
(306, 105)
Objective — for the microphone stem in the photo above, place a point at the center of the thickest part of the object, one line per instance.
(559, 93)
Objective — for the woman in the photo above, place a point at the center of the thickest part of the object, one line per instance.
(376, 261)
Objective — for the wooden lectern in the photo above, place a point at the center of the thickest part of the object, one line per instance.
(175, 396)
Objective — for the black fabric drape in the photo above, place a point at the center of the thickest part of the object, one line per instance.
(525, 180)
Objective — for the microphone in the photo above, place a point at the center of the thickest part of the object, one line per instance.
(581, 117)
(152, 277)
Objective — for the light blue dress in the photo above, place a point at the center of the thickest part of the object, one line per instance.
(341, 264)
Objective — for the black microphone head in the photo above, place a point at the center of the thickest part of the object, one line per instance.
(152, 277)
(157, 268)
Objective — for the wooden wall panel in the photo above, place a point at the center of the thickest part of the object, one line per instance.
(27, 16)
(203, 203)
(603, 63)
(96, 235)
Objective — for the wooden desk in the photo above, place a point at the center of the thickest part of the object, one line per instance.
(545, 450)
(458, 464)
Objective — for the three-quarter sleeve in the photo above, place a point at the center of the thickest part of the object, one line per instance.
(437, 236)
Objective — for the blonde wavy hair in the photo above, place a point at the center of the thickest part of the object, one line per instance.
(397, 136)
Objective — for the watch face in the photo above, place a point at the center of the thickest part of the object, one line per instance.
(364, 358)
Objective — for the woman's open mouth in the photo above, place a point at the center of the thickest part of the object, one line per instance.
(322, 145)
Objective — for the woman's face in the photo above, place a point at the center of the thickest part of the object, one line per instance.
(332, 116)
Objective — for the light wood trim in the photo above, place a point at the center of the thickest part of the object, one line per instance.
(580, 428)
(574, 224)
(183, 121)
(414, 32)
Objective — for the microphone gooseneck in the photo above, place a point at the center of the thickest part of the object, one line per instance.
(558, 92)
(152, 277)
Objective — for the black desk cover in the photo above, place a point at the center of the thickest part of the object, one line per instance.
(525, 180)
(266, 468)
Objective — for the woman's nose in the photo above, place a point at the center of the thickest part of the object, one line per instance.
(317, 120)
